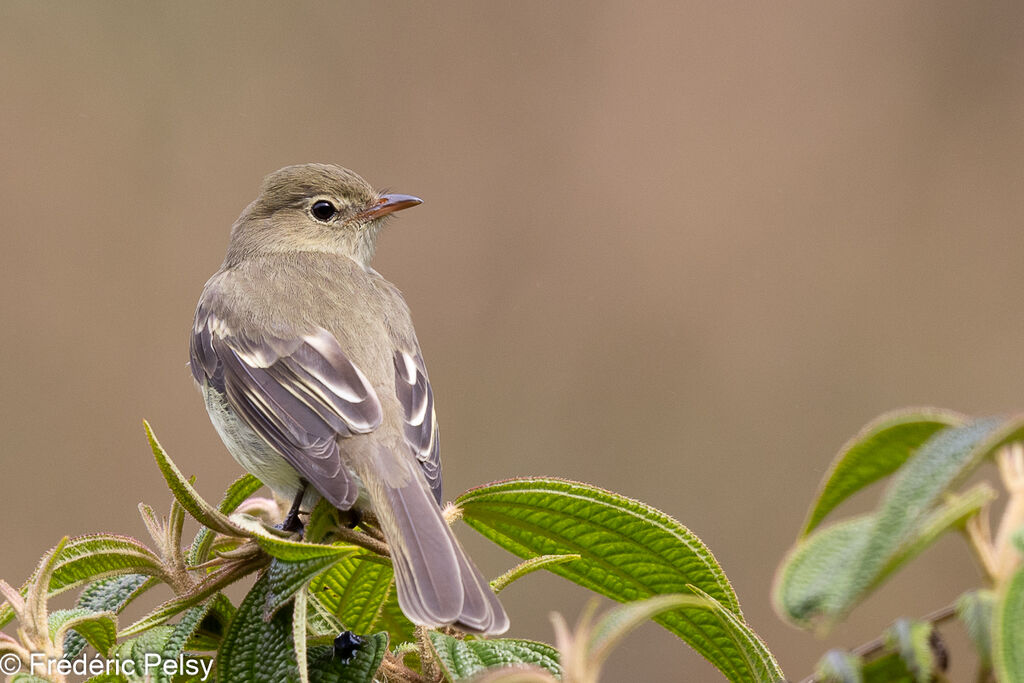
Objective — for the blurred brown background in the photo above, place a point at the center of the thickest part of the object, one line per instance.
(679, 250)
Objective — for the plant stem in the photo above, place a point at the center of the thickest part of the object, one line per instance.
(363, 540)
(873, 647)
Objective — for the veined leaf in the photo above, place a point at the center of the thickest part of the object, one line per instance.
(174, 643)
(827, 572)
(209, 632)
(258, 651)
(147, 654)
(210, 585)
(284, 579)
(837, 666)
(516, 673)
(394, 621)
(528, 567)
(88, 558)
(876, 452)
(323, 518)
(814, 583)
(975, 609)
(300, 620)
(325, 667)
(111, 595)
(952, 514)
(628, 551)
(237, 493)
(759, 662)
(944, 461)
(1008, 631)
(463, 659)
(84, 559)
(912, 641)
(202, 511)
(618, 622)
(354, 590)
(284, 548)
(889, 668)
(98, 628)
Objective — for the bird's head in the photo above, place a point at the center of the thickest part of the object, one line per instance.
(314, 207)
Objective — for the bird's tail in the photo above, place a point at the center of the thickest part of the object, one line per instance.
(437, 582)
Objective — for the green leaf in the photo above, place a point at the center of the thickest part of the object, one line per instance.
(203, 512)
(106, 595)
(147, 655)
(528, 567)
(462, 659)
(911, 639)
(975, 609)
(255, 650)
(237, 493)
(876, 452)
(210, 631)
(394, 621)
(945, 460)
(174, 644)
(837, 666)
(300, 619)
(83, 559)
(209, 585)
(618, 622)
(107, 678)
(628, 551)
(829, 571)
(320, 621)
(324, 667)
(98, 628)
(1008, 631)
(278, 544)
(354, 590)
(814, 583)
(517, 673)
(759, 662)
(284, 579)
(889, 668)
(322, 520)
(952, 514)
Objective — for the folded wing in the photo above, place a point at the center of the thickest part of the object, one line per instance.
(299, 394)
(417, 399)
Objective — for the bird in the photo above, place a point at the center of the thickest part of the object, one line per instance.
(313, 377)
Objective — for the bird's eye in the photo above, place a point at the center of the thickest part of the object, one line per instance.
(323, 210)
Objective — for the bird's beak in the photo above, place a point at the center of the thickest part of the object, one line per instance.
(388, 203)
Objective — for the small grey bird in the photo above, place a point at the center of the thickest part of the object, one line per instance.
(313, 377)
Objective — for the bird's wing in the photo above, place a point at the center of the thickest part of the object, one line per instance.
(417, 399)
(299, 394)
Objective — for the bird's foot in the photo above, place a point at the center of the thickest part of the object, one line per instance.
(292, 524)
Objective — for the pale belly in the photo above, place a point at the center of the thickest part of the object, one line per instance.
(257, 456)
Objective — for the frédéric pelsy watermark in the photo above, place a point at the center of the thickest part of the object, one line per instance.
(83, 665)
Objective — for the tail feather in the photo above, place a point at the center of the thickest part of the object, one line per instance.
(437, 582)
